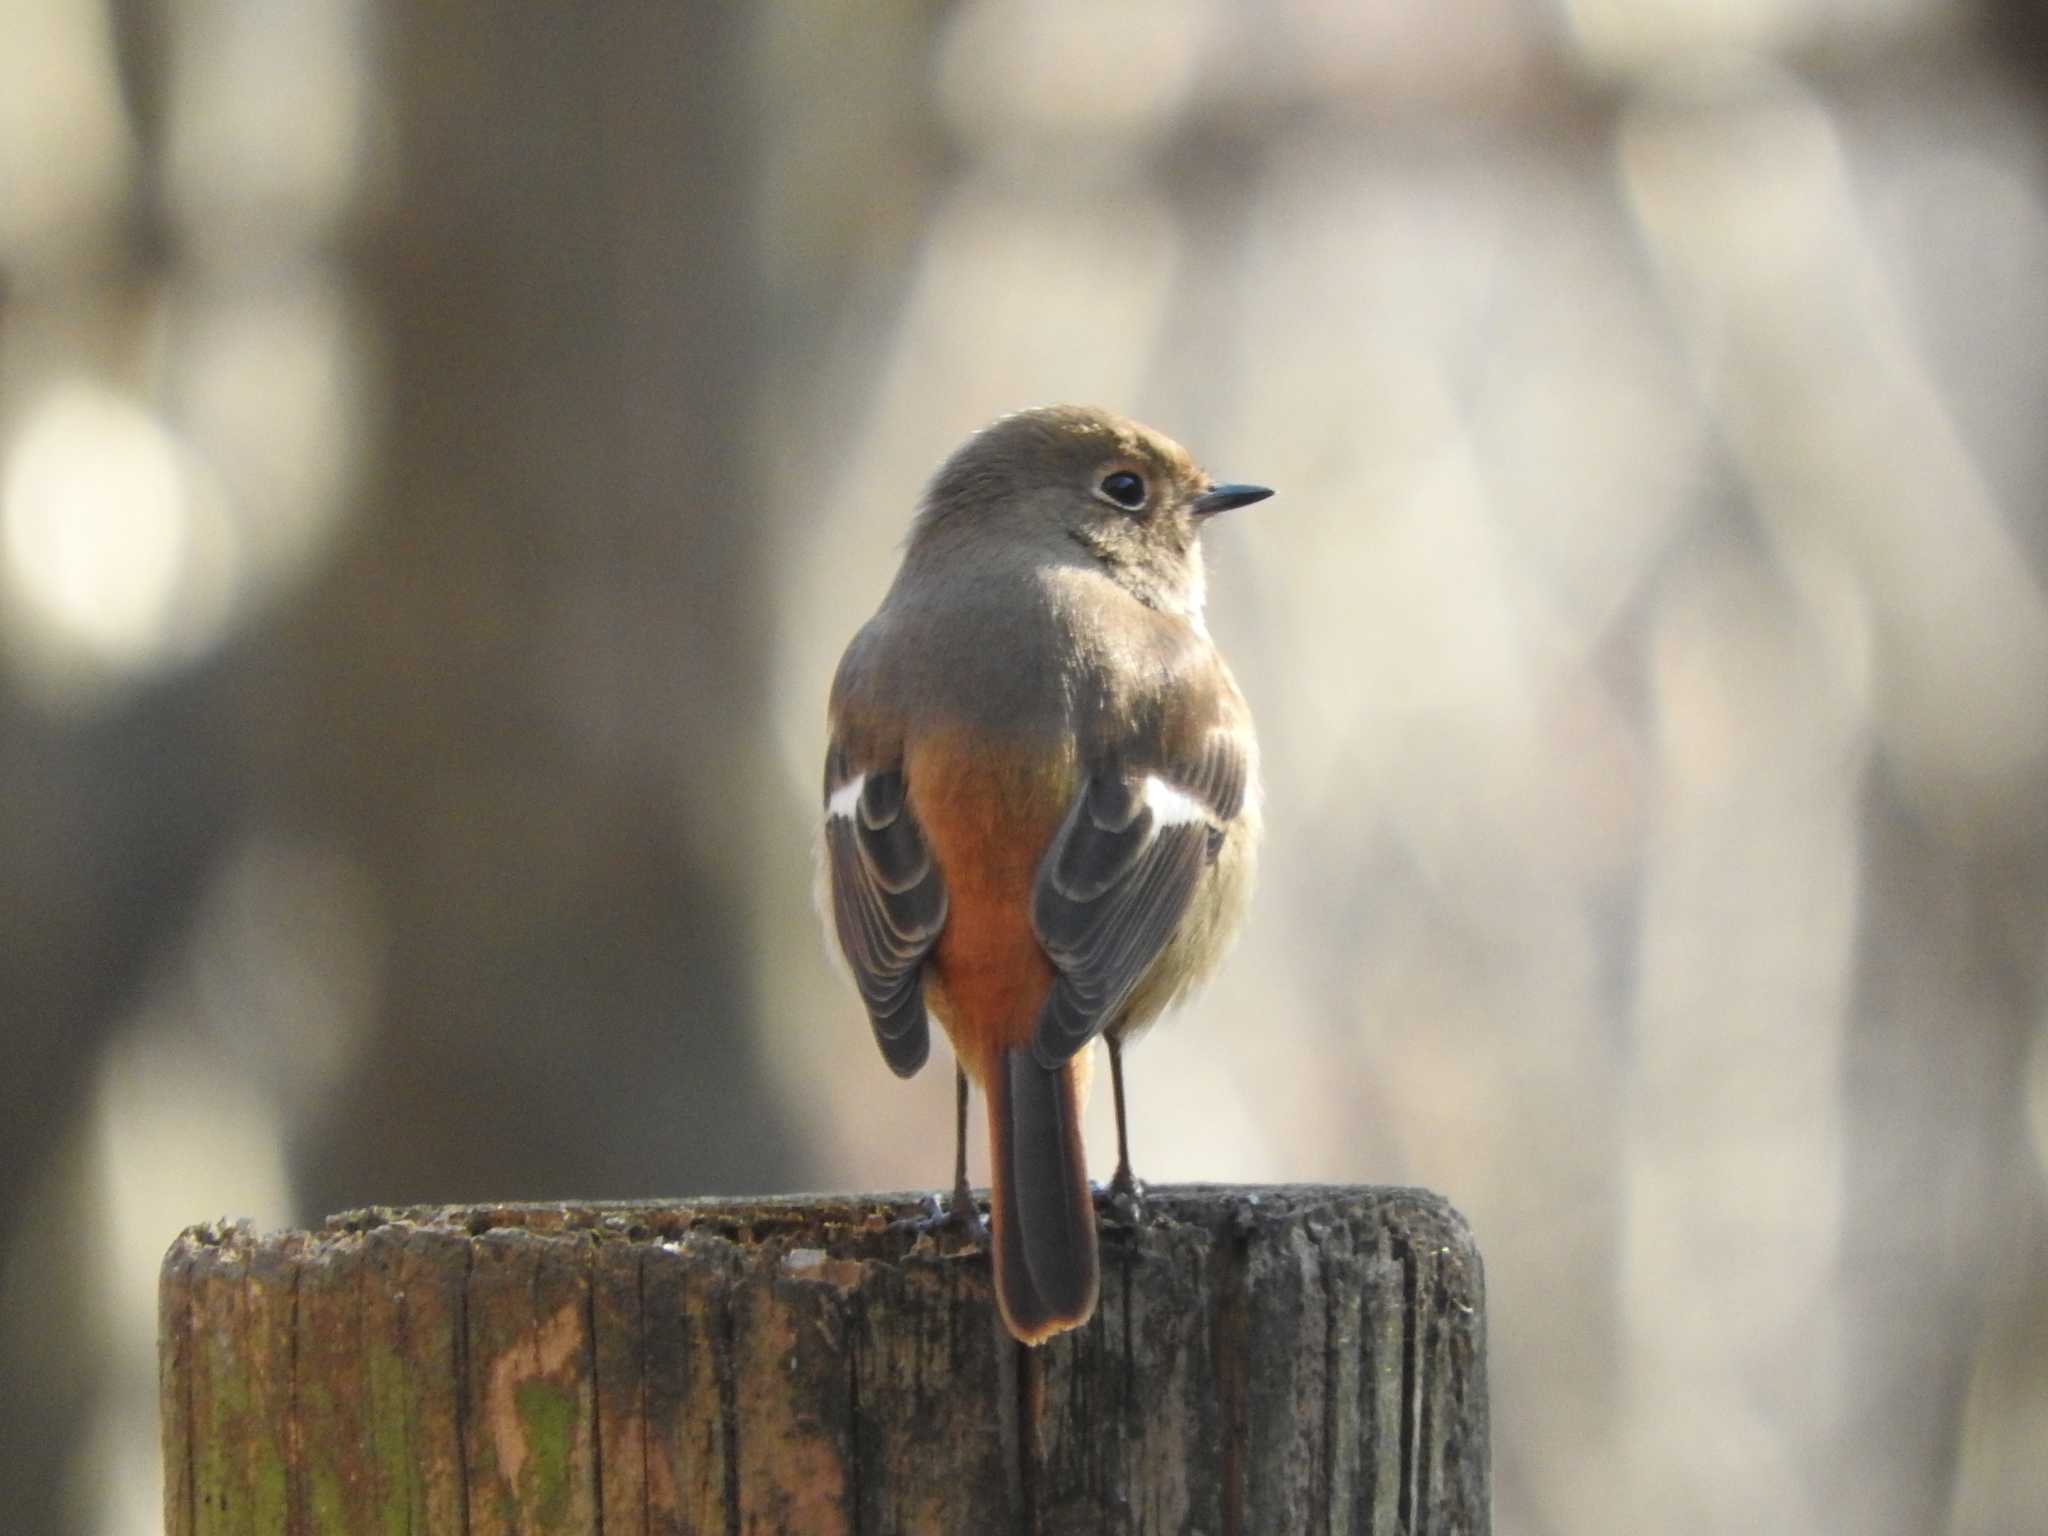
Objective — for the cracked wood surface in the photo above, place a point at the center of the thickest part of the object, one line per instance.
(1275, 1359)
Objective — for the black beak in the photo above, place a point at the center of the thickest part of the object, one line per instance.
(1221, 498)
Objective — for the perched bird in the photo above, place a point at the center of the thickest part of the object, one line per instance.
(1041, 804)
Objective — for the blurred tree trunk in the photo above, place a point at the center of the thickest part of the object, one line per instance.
(1950, 996)
(557, 574)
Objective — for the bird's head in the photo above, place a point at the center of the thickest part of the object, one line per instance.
(1065, 480)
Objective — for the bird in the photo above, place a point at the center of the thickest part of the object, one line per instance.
(1041, 806)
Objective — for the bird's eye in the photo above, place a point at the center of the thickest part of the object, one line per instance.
(1125, 489)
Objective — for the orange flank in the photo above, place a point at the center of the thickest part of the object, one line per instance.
(988, 824)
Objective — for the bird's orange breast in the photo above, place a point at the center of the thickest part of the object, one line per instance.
(988, 815)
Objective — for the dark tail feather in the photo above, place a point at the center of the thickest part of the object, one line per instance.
(1045, 1259)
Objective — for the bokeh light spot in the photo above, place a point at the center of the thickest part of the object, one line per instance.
(112, 549)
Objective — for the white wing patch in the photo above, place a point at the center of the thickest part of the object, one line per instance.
(1171, 807)
(846, 798)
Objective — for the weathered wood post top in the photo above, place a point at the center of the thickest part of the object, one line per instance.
(1264, 1360)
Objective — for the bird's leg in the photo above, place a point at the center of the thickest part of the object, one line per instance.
(964, 1212)
(1126, 1194)
(961, 1211)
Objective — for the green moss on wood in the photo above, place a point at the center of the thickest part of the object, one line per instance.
(547, 1420)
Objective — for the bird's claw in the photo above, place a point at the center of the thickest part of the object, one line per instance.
(935, 1216)
(930, 1212)
(1124, 1198)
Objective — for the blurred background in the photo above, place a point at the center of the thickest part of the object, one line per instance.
(443, 450)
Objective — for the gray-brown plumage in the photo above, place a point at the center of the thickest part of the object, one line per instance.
(1041, 799)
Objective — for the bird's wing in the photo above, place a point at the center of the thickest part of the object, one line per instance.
(888, 902)
(1119, 875)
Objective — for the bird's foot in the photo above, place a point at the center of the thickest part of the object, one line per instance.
(935, 1217)
(1124, 1199)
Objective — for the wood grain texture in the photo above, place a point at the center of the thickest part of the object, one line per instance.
(1297, 1359)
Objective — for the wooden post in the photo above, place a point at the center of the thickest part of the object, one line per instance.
(1264, 1361)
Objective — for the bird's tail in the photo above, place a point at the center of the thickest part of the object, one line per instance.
(1044, 1213)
